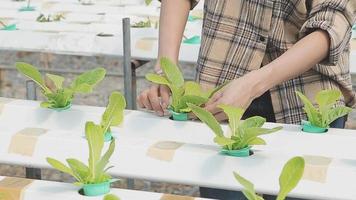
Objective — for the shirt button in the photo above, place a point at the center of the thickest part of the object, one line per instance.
(262, 39)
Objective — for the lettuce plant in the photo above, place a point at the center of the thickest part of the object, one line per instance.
(114, 112)
(148, 2)
(182, 92)
(57, 95)
(243, 133)
(50, 18)
(111, 197)
(291, 174)
(326, 112)
(142, 24)
(96, 170)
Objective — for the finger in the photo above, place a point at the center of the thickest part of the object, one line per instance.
(154, 100)
(138, 100)
(165, 94)
(212, 108)
(215, 97)
(145, 101)
(192, 116)
(221, 116)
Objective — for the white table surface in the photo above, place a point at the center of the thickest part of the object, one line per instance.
(42, 190)
(196, 162)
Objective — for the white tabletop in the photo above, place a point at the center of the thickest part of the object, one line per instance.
(41, 190)
(193, 159)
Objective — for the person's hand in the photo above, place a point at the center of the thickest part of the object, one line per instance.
(155, 98)
(238, 93)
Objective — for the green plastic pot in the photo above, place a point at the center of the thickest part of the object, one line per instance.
(96, 189)
(108, 136)
(62, 109)
(245, 152)
(193, 40)
(27, 9)
(179, 116)
(11, 27)
(309, 128)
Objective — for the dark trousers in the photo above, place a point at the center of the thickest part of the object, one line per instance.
(261, 106)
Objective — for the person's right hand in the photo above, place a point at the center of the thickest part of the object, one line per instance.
(155, 98)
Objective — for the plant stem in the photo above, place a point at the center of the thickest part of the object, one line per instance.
(3, 24)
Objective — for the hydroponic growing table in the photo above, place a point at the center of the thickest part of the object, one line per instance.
(159, 149)
(35, 189)
(87, 29)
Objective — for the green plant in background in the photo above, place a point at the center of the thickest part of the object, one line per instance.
(50, 18)
(59, 96)
(148, 2)
(326, 112)
(142, 24)
(114, 112)
(243, 133)
(96, 170)
(291, 174)
(111, 197)
(182, 92)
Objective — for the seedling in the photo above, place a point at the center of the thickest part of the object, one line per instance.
(50, 18)
(148, 2)
(182, 92)
(242, 134)
(86, 2)
(111, 197)
(6, 27)
(320, 117)
(59, 97)
(28, 7)
(142, 24)
(114, 114)
(92, 177)
(192, 40)
(291, 174)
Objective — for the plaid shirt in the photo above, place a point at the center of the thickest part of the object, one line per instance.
(242, 35)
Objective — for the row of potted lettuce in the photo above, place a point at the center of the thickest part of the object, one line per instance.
(187, 96)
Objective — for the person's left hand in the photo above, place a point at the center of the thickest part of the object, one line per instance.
(238, 93)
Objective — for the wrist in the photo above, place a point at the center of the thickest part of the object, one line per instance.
(260, 81)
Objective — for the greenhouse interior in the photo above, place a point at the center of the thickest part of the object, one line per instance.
(177, 99)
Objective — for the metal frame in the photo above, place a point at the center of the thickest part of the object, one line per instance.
(32, 173)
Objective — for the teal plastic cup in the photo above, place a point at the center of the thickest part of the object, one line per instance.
(245, 152)
(179, 116)
(108, 136)
(27, 9)
(96, 189)
(11, 27)
(63, 108)
(309, 128)
(193, 40)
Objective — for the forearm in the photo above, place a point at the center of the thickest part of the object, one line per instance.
(173, 18)
(304, 55)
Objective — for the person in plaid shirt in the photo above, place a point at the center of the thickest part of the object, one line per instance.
(267, 49)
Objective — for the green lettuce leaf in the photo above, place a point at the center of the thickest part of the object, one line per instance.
(172, 72)
(85, 82)
(291, 174)
(32, 73)
(208, 119)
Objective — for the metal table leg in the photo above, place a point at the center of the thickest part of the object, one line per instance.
(129, 82)
(32, 173)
